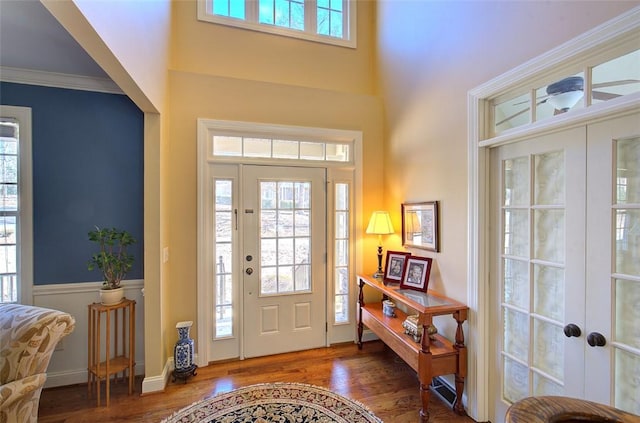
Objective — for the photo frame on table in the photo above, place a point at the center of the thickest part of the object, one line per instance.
(394, 266)
(416, 273)
(420, 225)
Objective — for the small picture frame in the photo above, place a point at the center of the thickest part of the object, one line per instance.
(416, 273)
(394, 266)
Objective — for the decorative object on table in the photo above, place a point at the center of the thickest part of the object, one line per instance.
(420, 225)
(183, 351)
(276, 402)
(112, 260)
(394, 266)
(389, 308)
(416, 273)
(412, 328)
(380, 224)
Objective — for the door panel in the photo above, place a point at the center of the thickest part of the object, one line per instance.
(284, 249)
(613, 265)
(539, 266)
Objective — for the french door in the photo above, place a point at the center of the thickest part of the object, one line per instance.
(284, 250)
(566, 254)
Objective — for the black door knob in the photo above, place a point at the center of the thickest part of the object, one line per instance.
(572, 330)
(596, 339)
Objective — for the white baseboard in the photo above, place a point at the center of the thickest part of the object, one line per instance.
(77, 376)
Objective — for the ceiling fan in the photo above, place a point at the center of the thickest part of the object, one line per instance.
(566, 93)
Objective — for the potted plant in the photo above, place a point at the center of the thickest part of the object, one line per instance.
(112, 260)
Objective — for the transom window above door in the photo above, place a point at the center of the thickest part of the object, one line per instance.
(595, 80)
(325, 21)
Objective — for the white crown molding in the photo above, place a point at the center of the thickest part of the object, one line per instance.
(58, 80)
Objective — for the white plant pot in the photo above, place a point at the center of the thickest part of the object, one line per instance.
(111, 296)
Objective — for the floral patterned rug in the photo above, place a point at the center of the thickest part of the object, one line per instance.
(275, 402)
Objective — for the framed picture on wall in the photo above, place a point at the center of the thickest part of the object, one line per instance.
(394, 266)
(420, 225)
(416, 273)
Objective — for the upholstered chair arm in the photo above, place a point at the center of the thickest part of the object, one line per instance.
(19, 399)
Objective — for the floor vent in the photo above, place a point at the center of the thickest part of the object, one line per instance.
(444, 391)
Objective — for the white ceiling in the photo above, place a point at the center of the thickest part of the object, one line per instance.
(31, 38)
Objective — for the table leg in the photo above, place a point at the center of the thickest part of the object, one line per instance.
(360, 304)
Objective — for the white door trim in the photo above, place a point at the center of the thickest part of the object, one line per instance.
(205, 159)
(599, 38)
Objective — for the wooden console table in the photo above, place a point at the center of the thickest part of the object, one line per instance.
(123, 352)
(429, 358)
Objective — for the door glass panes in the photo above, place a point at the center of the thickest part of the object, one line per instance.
(626, 215)
(548, 339)
(627, 381)
(615, 78)
(227, 146)
(516, 380)
(8, 209)
(549, 178)
(628, 171)
(516, 282)
(224, 218)
(341, 258)
(285, 240)
(533, 275)
(548, 291)
(257, 147)
(230, 146)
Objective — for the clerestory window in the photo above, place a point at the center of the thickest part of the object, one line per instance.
(326, 21)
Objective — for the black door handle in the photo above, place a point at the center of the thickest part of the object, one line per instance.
(596, 339)
(572, 330)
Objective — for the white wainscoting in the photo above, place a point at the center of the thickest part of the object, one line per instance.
(68, 365)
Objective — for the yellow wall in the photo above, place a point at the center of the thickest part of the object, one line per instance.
(226, 73)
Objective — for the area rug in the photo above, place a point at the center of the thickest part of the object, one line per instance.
(275, 402)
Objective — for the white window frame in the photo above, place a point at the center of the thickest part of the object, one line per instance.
(24, 221)
(251, 22)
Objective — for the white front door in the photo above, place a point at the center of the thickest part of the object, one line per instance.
(566, 262)
(284, 250)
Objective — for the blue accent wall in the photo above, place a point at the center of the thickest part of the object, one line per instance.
(88, 162)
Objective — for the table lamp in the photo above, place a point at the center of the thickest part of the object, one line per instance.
(380, 224)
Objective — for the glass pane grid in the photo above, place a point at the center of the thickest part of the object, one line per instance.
(223, 216)
(267, 148)
(285, 241)
(341, 251)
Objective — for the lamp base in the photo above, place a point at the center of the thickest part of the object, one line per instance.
(378, 275)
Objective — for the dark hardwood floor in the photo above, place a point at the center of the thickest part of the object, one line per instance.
(374, 376)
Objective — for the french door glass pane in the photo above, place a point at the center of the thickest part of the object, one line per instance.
(549, 178)
(516, 182)
(627, 381)
(627, 317)
(516, 380)
(285, 240)
(548, 339)
(628, 171)
(516, 232)
(549, 291)
(516, 283)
